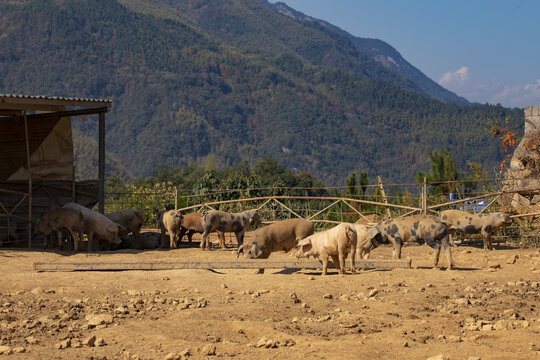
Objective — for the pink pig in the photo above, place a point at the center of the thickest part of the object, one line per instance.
(335, 243)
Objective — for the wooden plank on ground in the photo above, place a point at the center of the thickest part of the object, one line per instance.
(256, 264)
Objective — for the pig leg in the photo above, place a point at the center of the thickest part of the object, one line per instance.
(204, 240)
(446, 246)
(221, 236)
(339, 263)
(396, 254)
(59, 237)
(240, 238)
(162, 238)
(487, 240)
(90, 247)
(74, 239)
(172, 236)
(183, 231)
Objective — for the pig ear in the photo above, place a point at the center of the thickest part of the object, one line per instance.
(306, 241)
(372, 232)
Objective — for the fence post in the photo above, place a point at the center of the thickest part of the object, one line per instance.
(175, 198)
(384, 196)
(424, 197)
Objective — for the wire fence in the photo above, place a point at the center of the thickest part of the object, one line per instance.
(326, 206)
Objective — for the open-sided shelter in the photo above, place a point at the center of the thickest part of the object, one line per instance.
(37, 172)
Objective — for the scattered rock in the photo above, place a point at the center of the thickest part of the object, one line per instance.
(474, 358)
(265, 342)
(328, 296)
(63, 344)
(294, 320)
(19, 350)
(439, 357)
(373, 292)
(5, 350)
(209, 350)
(494, 264)
(100, 342)
(99, 319)
(90, 341)
(31, 340)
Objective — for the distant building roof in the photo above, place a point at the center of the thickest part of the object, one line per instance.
(46, 103)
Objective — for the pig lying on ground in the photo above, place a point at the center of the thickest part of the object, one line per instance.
(237, 223)
(416, 228)
(171, 222)
(132, 220)
(59, 220)
(484, 224)
(97, 225)
(147, 241)
(335, 243)
(192, 223)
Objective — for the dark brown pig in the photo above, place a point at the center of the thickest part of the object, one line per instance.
(192, 223)
(59, 220)
(132, 220)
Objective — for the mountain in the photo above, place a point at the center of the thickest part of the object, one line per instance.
(379, 51)
(234, 80)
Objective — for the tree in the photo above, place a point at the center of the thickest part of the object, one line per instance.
(443, 169)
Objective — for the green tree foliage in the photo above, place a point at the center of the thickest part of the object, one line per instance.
(443, 171)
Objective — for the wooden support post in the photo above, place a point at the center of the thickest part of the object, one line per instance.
(384, 197)
(101, 164)
(73, 190)
(424, 197)
(29, 168)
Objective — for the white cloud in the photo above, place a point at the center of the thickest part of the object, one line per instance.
(456, 78)
(518, 95)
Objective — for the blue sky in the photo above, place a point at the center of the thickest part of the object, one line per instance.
(487, 51)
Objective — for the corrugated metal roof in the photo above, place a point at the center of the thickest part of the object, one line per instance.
(61, 98)
(42, 102)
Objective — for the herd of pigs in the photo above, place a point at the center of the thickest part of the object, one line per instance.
(335, 243)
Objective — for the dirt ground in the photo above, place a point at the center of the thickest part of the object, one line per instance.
(487, 308)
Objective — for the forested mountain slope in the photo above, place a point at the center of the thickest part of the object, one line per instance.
(180, 91)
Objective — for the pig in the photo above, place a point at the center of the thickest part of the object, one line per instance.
(59, 220)
(361, 239)
(147, 241)
(238, 223)
(416, 228)
(97, 225)
(336, 243)
(132, 220)
(279, 236)
(170, 222)
(484, 224)
(192, 223)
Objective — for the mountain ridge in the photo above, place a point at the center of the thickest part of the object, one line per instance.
(180, 92)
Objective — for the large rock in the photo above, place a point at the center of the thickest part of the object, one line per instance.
(524, 171)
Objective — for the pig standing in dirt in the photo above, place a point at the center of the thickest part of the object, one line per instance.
(361, 239)
(59, 220)
(171, 222)
(97, 225)
(132, 220)
(279, 236)
(192, 223)
(335, 243)
(147, 240)
(238, 223)
(418, 228)
(484, 224)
